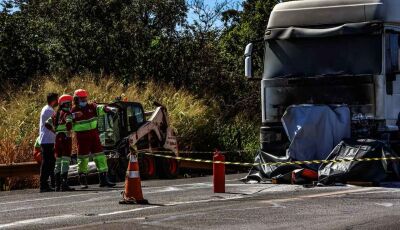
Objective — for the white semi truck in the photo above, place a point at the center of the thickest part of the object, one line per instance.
(331, 52)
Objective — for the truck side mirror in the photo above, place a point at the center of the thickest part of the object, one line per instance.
(248, 62)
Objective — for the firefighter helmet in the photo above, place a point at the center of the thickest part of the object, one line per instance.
(80, 93)
(65, 98)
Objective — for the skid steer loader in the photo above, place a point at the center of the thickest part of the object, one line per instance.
(131, 128)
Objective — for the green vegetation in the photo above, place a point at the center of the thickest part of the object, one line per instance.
(146, 49)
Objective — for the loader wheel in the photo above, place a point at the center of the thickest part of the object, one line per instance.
(121, 169)
(147, 167)
(168, 168)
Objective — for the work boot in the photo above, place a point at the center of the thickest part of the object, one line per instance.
(104, 182)
(83, 181)
(58, 181)
(46, 189)
(64, 186)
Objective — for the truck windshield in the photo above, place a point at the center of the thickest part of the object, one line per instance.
(308, 57)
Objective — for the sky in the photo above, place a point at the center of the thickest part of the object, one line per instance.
(210, 3)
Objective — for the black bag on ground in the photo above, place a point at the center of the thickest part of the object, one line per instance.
(262, 173)
(363, 171)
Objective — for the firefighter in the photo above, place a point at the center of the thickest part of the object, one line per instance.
(85, 126)
(61, 124)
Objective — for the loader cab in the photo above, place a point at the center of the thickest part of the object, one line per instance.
(336, 52)
(113, 128)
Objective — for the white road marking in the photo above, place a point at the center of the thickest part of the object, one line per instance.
(277, 205)
(274, 202)
(17, 209)
(167, 189)
(126, 211)
(58, 197)
(326, 194)
(338, 192)
(44, 220)
(57, 205)
(203, 201)
(54, 219)
(387, 205)
(380, 191)
(241, 209)
(162, 189)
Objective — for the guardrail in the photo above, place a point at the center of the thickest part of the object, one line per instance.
(33, 168)
(19, 169)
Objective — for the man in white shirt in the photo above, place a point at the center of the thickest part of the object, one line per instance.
(46, 140)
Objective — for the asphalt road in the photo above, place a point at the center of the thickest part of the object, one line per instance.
(191, 204)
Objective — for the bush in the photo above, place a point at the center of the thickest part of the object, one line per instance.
(197, 121)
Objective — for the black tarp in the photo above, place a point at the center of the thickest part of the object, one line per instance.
(339, 172)
(326, 56)
(363, 171)
(341, 30)
(349, 49)
(266, 172)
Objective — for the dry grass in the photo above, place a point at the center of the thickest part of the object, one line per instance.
(20, 110)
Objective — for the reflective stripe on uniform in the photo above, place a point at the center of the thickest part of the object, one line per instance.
(57, 168)
(83, 162)
(68, 118)
(100, 160)
(100, 110)
(85, 125)
(65, 164)
(61, 128)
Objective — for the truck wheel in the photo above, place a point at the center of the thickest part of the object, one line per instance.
(168, 168)
(147, 167)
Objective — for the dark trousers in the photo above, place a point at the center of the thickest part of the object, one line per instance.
(48, 164)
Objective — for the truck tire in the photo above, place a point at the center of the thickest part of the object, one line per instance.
(147, 167)
(167, 168)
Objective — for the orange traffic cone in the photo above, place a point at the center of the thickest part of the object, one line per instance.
(133, 187)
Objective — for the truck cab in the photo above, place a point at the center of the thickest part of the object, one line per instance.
(331, 52)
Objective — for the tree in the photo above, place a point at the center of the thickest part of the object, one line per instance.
(243, 27)
(137, 40)
(110, 37)
(20, 57)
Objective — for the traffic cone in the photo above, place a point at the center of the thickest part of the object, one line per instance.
(133, 187)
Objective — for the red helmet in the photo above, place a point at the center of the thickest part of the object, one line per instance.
(80, 93)
(65, 98)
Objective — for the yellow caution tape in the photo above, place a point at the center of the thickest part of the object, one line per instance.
(199, 152)
(273, 163)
